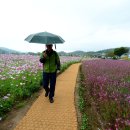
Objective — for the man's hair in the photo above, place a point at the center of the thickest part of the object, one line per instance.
(49, 44)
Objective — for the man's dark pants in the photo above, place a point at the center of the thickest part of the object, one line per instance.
(49, 78)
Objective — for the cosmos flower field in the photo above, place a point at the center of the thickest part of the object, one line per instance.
(108, 83)
(20, 76)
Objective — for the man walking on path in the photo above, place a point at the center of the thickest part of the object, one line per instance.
(51, 63)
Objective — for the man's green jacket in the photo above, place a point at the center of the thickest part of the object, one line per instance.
(51, 63)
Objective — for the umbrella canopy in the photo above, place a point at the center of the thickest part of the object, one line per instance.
(44, 38)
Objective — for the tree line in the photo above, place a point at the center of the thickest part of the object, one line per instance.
(118, 52)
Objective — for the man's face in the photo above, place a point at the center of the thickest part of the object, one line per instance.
(49, 47)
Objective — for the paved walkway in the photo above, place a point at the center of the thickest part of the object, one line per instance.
(60, 115)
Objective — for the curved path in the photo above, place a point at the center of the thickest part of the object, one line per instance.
(60, 115)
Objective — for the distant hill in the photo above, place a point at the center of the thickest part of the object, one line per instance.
(4, 50)
(74, 53)
(77, 53)
(62, 53)
(83, 53)
(106, 50)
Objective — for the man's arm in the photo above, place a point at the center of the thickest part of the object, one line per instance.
(43, 57)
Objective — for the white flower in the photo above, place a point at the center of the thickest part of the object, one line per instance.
(3, 78)
(8, 94)
(1, 106)
(0, 118)
(23, 77)
(5, 97)
(21, 83)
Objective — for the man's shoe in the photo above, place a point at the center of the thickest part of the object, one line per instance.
(51, 100)
(46, 94)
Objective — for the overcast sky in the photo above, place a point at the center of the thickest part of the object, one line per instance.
(87, 25)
